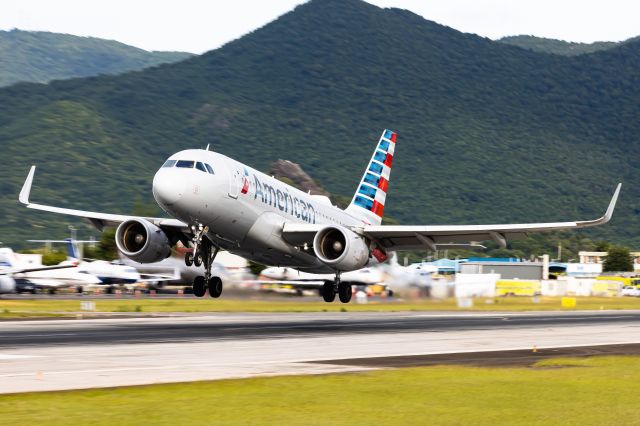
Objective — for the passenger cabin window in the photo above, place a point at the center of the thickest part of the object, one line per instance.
(209, 168)
(169, 163)
(184, 164)
(201, 167)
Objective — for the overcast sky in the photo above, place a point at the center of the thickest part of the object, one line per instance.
(199, 25)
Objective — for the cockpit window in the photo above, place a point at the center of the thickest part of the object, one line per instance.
(200, 167)
(169, 163)
(209, 168)
(185, 164)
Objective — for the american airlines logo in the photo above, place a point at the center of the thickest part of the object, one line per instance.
(284, 201)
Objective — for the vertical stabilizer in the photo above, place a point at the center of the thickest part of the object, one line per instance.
(368, 202)
(7, 258)
(73, 252)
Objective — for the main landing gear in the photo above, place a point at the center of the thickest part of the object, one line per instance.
(331, 288)
(204, 252)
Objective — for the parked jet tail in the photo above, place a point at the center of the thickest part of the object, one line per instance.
(368, 201)
(74, 252)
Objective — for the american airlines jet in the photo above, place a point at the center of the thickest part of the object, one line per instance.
(219, 203)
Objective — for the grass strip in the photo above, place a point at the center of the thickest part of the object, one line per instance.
(585, 391)
(22, 308)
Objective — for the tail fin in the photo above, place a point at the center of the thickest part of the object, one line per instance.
(7, 258)
(73, 252)
(368, 201)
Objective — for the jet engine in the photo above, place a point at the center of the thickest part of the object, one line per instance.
(142, 241)
(341, 248)
(7, 284)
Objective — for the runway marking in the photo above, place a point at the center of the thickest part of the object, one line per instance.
(305, 363)
(11, 356)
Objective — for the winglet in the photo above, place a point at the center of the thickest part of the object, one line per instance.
(607, 215)
(612, 204)
(26, 188)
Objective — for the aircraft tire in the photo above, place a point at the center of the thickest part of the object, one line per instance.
(328, 293)
(215, 287)
(344, 292)
(199, 289)
(188, 259)
(197, 260)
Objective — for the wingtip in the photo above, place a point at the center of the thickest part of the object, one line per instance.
(613, 202)
(26, 188)
(607, 215)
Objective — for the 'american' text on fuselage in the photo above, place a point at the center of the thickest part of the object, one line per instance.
(284, 201)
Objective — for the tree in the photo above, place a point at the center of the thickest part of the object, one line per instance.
(107, 248)
(602, 246)
(618, 259)
(256, 268)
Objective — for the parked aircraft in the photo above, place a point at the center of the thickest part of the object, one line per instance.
(175, 266)
(301, 280)
(109, 274)
(41, 277)
(220, 203)
(390, 273)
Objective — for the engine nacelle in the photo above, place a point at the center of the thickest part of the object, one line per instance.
(142, 241)
(7, 284)
(341, 248)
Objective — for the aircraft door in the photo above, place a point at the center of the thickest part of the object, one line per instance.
(234, 182)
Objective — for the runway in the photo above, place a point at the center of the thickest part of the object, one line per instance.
(220, 327)
(70, 354)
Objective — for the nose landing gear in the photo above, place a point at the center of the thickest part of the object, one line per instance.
(204, 253)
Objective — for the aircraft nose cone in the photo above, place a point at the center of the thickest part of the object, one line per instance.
(167, 188)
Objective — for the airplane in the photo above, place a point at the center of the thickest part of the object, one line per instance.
(390, 274)
(300, 280)
(219, 203)
(10, 269)
(109, 274)
(176, 266)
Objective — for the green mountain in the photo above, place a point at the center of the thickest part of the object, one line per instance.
(487, 132)
(557, 47)
(39, 57)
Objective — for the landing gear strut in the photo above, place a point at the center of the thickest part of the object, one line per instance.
(204, 253)
(331, 288)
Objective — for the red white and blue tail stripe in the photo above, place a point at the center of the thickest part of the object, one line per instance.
(368, 202)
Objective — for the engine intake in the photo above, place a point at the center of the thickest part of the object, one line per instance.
(7, 284)
(341, 248)
(142, 241)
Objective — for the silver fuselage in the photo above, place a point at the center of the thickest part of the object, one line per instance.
(243, 208)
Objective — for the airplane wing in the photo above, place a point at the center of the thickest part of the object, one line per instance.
(99, 220)
(174, 275)
(10, 271)
(398, 237)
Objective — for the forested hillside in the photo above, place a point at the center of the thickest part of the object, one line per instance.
(35, 56)
(557, 47)
(487, 132)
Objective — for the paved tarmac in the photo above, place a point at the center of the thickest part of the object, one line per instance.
(72, 354)
(217, 327)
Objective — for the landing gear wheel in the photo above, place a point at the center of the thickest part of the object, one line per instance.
(344, 292)
(199, 287)
(215, 287)
(188, 259)
(328, 292)
(198, 259)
